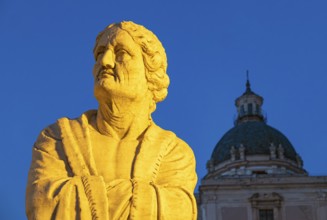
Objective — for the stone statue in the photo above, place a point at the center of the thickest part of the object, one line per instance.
(115, 162)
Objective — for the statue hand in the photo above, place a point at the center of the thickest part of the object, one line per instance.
(119, 193)
(119, 185)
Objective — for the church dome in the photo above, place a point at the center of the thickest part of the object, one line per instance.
(252, 147)
(256, 136)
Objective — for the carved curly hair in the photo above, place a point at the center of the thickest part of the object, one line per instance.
(154, 58)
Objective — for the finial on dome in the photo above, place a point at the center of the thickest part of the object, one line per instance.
(248, 86)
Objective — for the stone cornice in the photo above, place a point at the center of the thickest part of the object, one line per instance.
(288, 164)
(263, 182)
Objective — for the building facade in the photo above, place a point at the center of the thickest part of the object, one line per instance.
(255, 173)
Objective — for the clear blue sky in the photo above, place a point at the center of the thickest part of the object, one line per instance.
(46, 62)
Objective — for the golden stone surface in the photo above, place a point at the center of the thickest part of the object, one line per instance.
(115, 162)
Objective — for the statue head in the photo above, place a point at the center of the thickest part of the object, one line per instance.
(128, 51)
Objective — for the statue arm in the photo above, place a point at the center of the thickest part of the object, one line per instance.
(170, 195)
(53, 192)
(176, 181)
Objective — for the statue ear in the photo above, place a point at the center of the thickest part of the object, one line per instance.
(153, 62)
(156, 60)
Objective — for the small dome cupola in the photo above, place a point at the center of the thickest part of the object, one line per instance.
(249, 105)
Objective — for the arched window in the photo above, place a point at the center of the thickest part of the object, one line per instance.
(250, 109)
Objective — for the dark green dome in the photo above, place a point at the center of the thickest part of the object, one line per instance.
(256, 137)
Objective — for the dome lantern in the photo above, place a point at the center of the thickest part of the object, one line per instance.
(249, 105)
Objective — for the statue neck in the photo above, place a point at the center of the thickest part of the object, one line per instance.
(123, 119)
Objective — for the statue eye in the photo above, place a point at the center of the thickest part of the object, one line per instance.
(122, 55)
(98, 55)
(99, 52)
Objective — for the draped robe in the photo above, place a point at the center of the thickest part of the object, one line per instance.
(64, 182)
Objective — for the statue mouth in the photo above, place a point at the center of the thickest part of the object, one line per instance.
(105, 74)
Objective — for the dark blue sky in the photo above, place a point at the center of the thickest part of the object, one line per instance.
(46, 62)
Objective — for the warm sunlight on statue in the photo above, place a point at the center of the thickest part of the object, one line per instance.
(115, 162)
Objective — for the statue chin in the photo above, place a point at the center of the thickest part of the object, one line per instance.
(128, 95)
(101, 92)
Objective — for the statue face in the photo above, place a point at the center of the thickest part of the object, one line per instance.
(119, 69)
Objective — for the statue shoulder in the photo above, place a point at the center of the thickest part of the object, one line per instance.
(52, 135)
(182, 147)
(175, 144)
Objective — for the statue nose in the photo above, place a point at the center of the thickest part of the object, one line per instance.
(107, 59)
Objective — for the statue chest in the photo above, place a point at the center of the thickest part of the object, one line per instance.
(113, 159)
